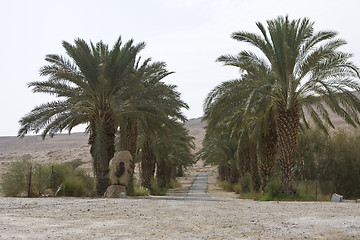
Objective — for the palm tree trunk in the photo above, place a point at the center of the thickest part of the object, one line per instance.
(244, 162)
(287, 125)
(102, 142)
(234, 175)
(148, 163)
(222, 172)
(241, 160)
(123, 134)
(163, 173)
(256, 182)
(131, 136)
(269, 153)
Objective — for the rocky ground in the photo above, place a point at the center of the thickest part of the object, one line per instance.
(220, 216)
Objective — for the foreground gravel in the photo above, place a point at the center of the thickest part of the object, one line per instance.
(174, 218)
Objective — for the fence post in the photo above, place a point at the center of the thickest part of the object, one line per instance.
(29, 187)
(52, 177)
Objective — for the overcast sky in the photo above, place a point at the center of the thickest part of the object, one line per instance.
(186, 34)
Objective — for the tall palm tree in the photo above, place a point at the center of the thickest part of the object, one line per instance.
(173, 149)
(152, 106)
(306, 71)
(90, 85)
(229, 104)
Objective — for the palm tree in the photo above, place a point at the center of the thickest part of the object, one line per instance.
(229, 104)
(90, 86)
(305, 72)
(173, 150)
(220, 149)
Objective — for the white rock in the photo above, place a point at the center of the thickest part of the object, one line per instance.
(336, 198)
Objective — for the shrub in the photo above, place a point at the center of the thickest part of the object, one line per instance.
(63, 177)
(245, 183)
(156, 190)
(332, 160)
(137, 189)
(15, 179)
(274, 188)
(226, 186)
(141, 191)
(173, 184)
(273, 192)
(78, 185)
(237, 188)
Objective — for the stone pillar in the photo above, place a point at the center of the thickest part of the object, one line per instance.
(121, 170)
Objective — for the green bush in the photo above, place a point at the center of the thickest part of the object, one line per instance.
(245, 183)
(62, 177)
(15, 179)
(273, 192)
(226, 186)
(274, 188)
(156, 190)
(332, 160)
(243, 187)
(237, 188)
(173, 184)
(140, 190)
(137, 189)
(78, 185)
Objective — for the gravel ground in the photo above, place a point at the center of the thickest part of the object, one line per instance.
(174, 218)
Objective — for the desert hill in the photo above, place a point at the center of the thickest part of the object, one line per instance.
(65, 147)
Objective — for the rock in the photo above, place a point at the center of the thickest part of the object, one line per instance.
(121, 168)
(48, 193)
(336, 198)
(115, 191)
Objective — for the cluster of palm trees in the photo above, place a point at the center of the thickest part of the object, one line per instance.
(293, 74)
(123, 102)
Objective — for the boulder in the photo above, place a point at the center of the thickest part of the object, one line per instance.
(115, 191)
(336, 198)
(121, 168)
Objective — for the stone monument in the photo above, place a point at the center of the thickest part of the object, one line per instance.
(121, 170)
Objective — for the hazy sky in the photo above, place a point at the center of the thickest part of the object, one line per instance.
(187, 34)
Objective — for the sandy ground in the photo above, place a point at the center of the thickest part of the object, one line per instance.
(171, 217)
(161, 218)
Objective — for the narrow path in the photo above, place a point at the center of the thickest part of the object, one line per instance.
(197, 191)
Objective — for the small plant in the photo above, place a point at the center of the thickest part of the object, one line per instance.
(274, 188)
(245, 183)
(156, 190)
(226, 186)
(138, 190)
(141, 191)
(237, 188)
(174, 184)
